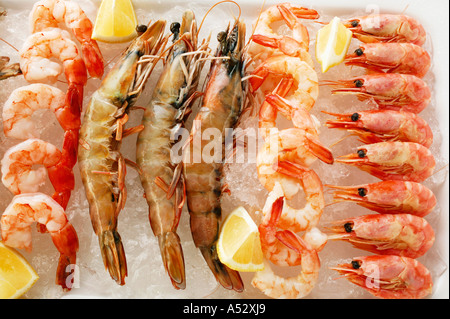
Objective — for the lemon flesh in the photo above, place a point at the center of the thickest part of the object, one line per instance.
(116, 21)
(333, 41)
(239, 245)
(17, 276)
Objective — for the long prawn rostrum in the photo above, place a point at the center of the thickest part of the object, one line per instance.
(8, 70)
(403, 58)
(388, 91)
(27, 209)
(389, 197)
(384, 126)
(101, 164)
(393, 161)
(267, 43)
(296, 287)
(222, 106)
(401, 234)
(387, 28)
(47, 14)
(160, 176)
(388, 276)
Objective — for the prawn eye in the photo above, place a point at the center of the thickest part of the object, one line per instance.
(358, 83)
(359, 52)
(356, 264)
(175, 27)
(348, 227)
(362, 192)
(221, 36)
(355, 117)
(354, 23)
(361, 153)
(141, 28)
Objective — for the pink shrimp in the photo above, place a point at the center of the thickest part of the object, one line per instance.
(294, 287)
(389, 197)
(388, 276)
(19, 177)
(401, 234)
(387, 28)
(26, 209)
(404, 58)
(306, 87)
(25, 100)
(266, 42)
(393, 161)
(384, 126)
(37, 66)
(298, 144)
(47, 14)
(389, 91)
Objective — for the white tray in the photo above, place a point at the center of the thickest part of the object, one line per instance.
(432, 14)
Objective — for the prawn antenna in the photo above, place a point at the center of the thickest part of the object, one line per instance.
(9, 44)
(209, 10)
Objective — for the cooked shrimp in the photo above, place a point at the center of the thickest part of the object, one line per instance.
(48, 14)
(37, 66)
(160, 176)
(222, 106)
(401, 234)
(18, 161)
(306, 87)
(266, 42)
(291, 144)
(404, 58)
(299, 219)
(10, 70)
(26, 209)
(389, 277)
(277, 215)
(393, 161)
(300, 286)
(387, 28)
(24, 101)
(102, 166)
(384, 126)
(389, 91)
(389, 197)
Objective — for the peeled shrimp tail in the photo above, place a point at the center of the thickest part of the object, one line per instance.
(113, 255)
(67, 244)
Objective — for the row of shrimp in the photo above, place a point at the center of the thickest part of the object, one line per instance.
(46, 53)
(395, 151)
(168, 185)
(284, 76)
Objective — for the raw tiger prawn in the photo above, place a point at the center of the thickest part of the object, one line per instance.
(102, 166)
(222, 106)
(161, 178)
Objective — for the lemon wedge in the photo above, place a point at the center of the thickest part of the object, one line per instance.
(116, 21)
(333, 41)
(16, 274)
(239, 246)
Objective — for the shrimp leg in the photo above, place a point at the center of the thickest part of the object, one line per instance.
(160, 176)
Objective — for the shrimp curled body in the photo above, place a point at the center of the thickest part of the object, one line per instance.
(27, 209)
